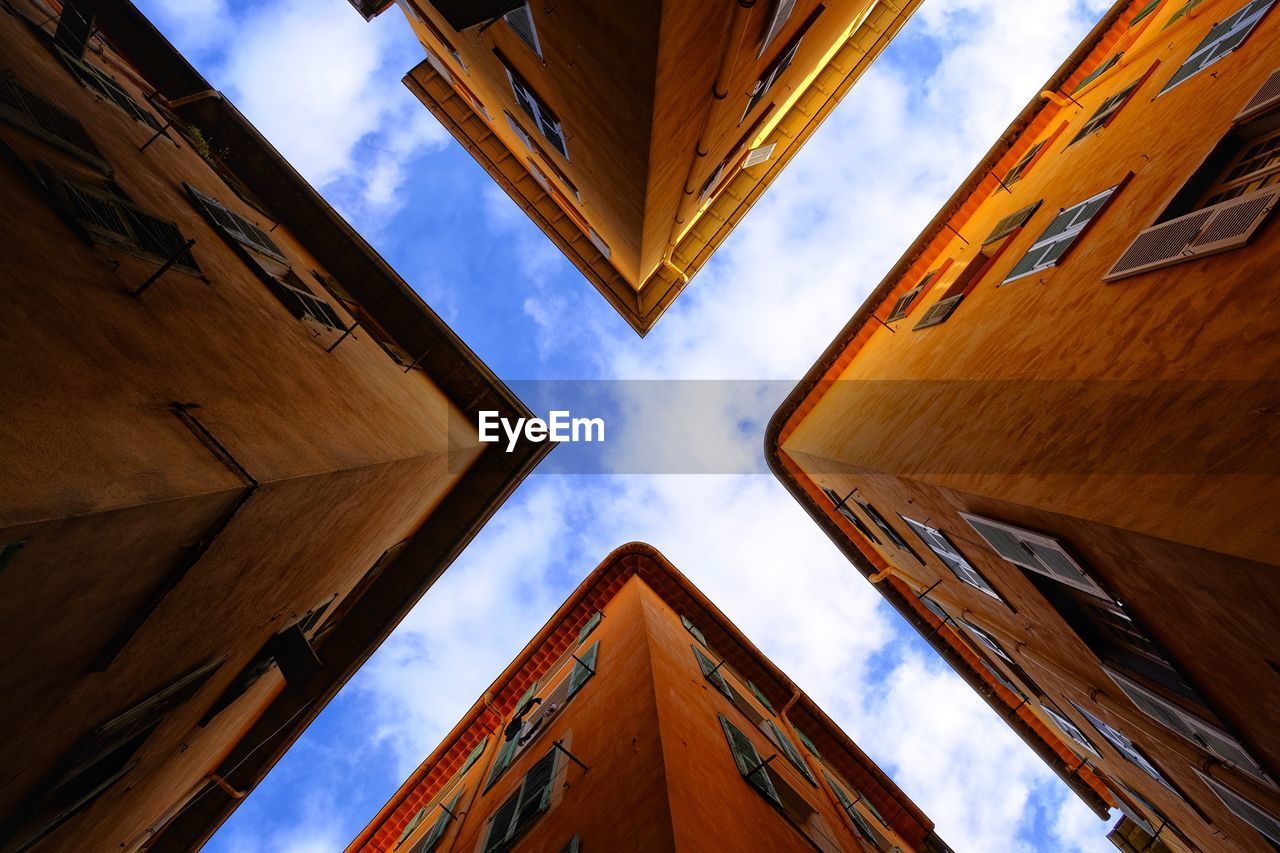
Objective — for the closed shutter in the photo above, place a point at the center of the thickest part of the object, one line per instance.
(1221, 40)
(535, 793)
(27, 109)
(160, 238)
(1264, 100)
(759, 155)
(764, 700)
(590, 626)
(98, 213)
(475, 754)
(1220, 228)
(939, 312)
(521, 20)
(501, 824)
(1209, 737)
(1012, 222)
(693, 629)
(789, 749)
(748, 760)
(583, 669)
(1243, 808)
(1058, 238)
(1042, 554)
(712, 674)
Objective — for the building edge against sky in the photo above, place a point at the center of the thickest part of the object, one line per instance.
(641, 718)
(1096, 545)
(638, 177)
(235, 441)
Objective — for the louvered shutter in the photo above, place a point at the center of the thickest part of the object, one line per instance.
(518, 130)
(1015, 174)
(1243, 808)
(502, 823)
(235, 225)
(987, 640)
(850, 516)
(759, 155)
(1225, 226)
(1012, 222)
(939, 312)
(903, 305)
(75, 25)
(475, 754)
(590, 626)
(782, 10)
(1061, 234)
(1264, 100)
(160, 238)
(583, 669)
(95, 212)
(1209, 737)
(1041, 554)
(535, 793)
(1220, 41)
(521, 20)
(501, 762)
(808, 743)
(574, 845)
(413, 824)
(764, 700)
(1069, 728)
(748, 760)
(942, 548)
(433, 836)
(711, 673)
(789, 749)
(693, 629)
(880, 522)
(28, 109)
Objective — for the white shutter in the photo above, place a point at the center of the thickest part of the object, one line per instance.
(759, 155)
(1266, 823)
(1198, 731)
(1059, 236)
(1042, 554)
(439, 66)
(519, 131)
(1069, 728)
(942, 548)
(1264, 100)
(782, 10)
(521, 20)
(599, 243)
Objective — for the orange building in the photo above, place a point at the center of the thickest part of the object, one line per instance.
(640, 718)
(637, 135)
(1054, 421)
(236, 446)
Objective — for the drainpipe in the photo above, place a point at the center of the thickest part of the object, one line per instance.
(720, 95)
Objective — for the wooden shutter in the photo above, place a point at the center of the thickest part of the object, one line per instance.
(1069, 728)
(413, 824)
(475, 754)
(1208, 736)
(535, 793)
(35, 114)
(1105, 113)
(782, 10)
(987, 640)
(789, 749)
(501, 824)
(599, 243)
(1264, 100)
(235, 225)
(501, 762)
(693, 629)
(160, 238)
(748, 760)
(1220, 228)
(590, 626)
(939, 312)
(712, 673)
(808, 743)
(1042, 554)
(849, 515)
(1220, 41)
(75, 25)
(1243, 808)
(521, 20)
(764, 700)
(1012, 222)
(583, 669)
(1103, 68)
(1019, 168)
(1061, 234)
(433, 836)
(950, 556)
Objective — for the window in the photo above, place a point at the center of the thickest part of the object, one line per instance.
(543, 118)
(474, 755)
(1102, 68)
(693, 629)
(782, 10)
(105, 217)
(1050, 247)
(860, 822)
(25, 109)
(808, 743)
(971, 272)
(371, 326)
(432, 839)
(849, 515)
(1069, 728)
(109, 89)
(941, 546)
(1024, 163)
(1105, 112)
(599, 243)
(1243, 808)
(521, 20)
(763, 700)
(750, 765)
(1254, 168)
(302, 303)
(519, 811)
(1220, 41)
(1123, 745)
(1034, 551)
(771, 75)
(234, 225)
(1012, 223)
(902, 307)
(989, 641)
(788, 748)
(711, 672)
(894, 536)
(1207, 736)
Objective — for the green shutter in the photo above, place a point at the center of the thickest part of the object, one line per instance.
(8, 552)
(501, 824)
(590, 626)
(789, 749)
(522, 704)
(413, 824)
(764, 700)
(693, 629)
(583, 669)
(475, 754)
(432, 838)
(500, 763)
(748, 760)
(808, 744)
(711, 673)
(535, 793)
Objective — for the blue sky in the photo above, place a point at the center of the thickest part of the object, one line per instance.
(325, 88)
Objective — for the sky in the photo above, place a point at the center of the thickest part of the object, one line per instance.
(324, 87)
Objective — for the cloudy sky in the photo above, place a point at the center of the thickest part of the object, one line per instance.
(325, 88)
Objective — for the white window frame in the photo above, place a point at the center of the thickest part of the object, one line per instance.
(531, 105)
(1056, 240)
(1026, 557)
(756, 156)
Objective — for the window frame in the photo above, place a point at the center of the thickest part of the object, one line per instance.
(1031, 561)
(542, 116)
(1068, 233)
(520, 820)
(924, 533)
(1209, 45)
(531, 40)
